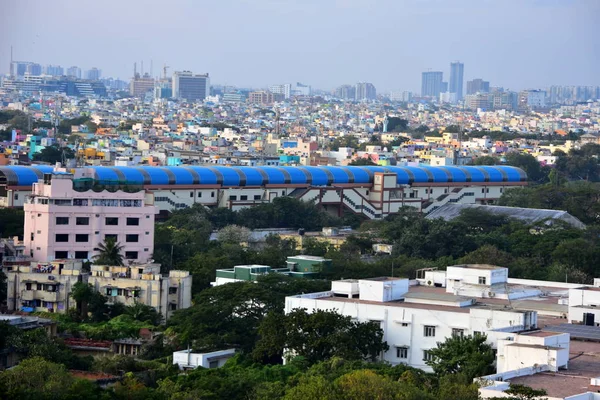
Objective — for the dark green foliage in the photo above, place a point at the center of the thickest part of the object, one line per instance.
(109, 253)
(467, 355)
(229, 315)
(53, 154)
(11, 222)
(318, 336)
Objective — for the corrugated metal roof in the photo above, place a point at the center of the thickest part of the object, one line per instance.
(531, 215)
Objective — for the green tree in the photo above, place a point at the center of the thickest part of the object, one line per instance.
(522, 392)
(144, 313)
(11, 222)
(529, 164)
(109, 253)
(234, 234)
(485, 160)
(38, 379)
(362, 161)
(468, 355)
(318, 336)
(53, 154)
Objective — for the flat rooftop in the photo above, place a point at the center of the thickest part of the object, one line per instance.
(584, 364)
(477, 266)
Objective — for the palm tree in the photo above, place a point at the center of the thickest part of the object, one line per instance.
(109, 253)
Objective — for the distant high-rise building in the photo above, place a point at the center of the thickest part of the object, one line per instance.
(431, 83)
(34, 69)
(401, 96)
(478, 86)
(365, 91)
(457, 70)
(54, 70)
(19, 68)
(444, 87)
(301, 90)
(74, 72)
(536, 99)
(140, 85)
(261, 97)
(189, 86)
(93, 74)
(346, 92)
(285, 90)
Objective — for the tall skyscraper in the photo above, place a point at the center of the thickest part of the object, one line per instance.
(189, 86)
(140, 85)
(285, 90)
(478, 86)
(365, 91)
(431, 83)
(456, 79)
(54, 70)
(74, 72)
(346, 92)
(93, 74)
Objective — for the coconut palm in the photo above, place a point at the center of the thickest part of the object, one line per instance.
(109, 253)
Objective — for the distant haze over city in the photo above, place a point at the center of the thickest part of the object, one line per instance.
(515, 44)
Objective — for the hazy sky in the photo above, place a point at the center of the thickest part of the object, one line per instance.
(517, 44)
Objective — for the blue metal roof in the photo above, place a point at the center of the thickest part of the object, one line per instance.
(259, 176)
(17, 175)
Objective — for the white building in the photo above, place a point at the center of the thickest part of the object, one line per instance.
(413, 318)
(187, 359)
(285, 90)
(189, 86)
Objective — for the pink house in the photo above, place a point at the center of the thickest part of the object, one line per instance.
(64, 223)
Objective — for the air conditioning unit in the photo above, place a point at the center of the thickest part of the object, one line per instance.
(491, 294)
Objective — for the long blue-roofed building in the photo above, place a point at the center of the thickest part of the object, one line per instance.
(372, 191)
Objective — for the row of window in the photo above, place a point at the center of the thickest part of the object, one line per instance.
(40, 286)
(85, 238)
(84, 221)
(93, 202)
(83, 255)
(244, 197)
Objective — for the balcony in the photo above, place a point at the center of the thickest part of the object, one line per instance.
(39, 295)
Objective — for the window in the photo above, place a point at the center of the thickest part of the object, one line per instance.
(62, 202)
(212, 194)
(456, 332)
(243, 197)
(172, 290)
(110, 236)
(80, 202)
(81, 255)
(61, 254)
(199, 194)
(39, 286)
(232, 197)
(28, 286)
(131, 255)
(257, 197)
(131, 238)
(133, 221)
(213, 364)
(429, 331)
(16, 196)
(482, 280)
(112, 221)
(61, 237)
(62, 220)
(82, 221)
(405, 324)
(82, 238)
(173, 307)
(191, 194)
(147, 217)
(427, 356)
(283, 192)
(401, 352)
(146, 249)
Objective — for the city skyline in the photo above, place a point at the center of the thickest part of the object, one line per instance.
(320, 53)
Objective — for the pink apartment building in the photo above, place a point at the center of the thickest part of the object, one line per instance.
(62, 222)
